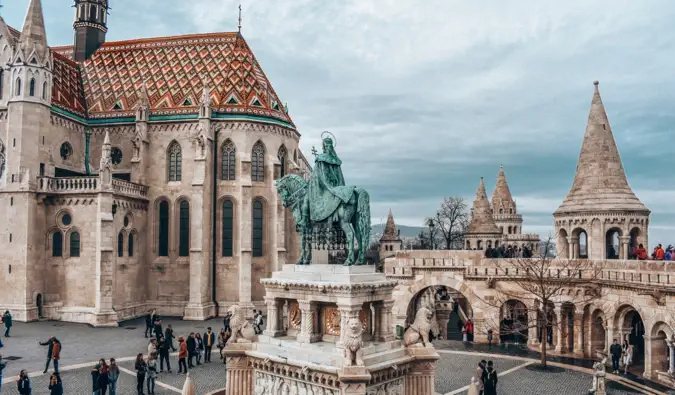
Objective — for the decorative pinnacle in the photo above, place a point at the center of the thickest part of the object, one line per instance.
(596, 82)
(239, 25)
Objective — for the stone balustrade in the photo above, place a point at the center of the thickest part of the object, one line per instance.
(68, 185)
(130, 189)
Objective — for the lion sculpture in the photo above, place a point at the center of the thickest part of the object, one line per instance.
(418, 332)
(242, 331)
(353, 353)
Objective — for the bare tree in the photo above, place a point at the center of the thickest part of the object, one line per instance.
(450, 221)
(422, 241)
(541, 283)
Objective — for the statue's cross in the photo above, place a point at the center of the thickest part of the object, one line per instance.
(314, 151)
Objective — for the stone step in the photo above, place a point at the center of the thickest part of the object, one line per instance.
(329, 277)
(383, 356)
(336, 269)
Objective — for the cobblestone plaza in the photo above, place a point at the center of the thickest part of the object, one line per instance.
(83, 345)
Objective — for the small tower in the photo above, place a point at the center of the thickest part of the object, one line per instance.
(504, 207)
(91, 25)
(482, 232)
(390, 242)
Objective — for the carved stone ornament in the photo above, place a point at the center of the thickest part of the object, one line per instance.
(394, 387)
(418, 332)
(271, 384)
(353, 343)
(2, 158)
(200, 140)
(242, 331)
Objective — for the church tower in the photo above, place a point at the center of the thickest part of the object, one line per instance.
(91, 25)
(390, 242)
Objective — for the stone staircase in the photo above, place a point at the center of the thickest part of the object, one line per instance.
(453, 332)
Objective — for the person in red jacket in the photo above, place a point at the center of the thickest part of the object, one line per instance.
(182, 354)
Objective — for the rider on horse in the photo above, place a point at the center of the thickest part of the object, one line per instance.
(327, 184)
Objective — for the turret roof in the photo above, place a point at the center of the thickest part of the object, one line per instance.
(600, 182)
(390, 233)
(33, 34)
(481, 216)
(502, 192)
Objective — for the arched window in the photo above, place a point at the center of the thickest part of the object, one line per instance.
(175, 161)
(93, 11)
(282, 161)
(44, 91)
(258, 162)
(57, 243)
(2, 82)
(120, 244)
(257, 228)
(31, 87)
(228, 225)
(75, 244)
(17, 89)
(510, 211)
(130, 245)
(229, 154)
(163, 232)
(184, 229)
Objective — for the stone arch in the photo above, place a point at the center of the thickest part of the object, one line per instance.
(161, 236)
(220, 230)
(597, 331)
(72, 243)
(513, 322)
(468, 244)
(636, 238)
(613, 242)
(174, 163)
(581, 245)
(479, 244)
(182, 213)
(658, 351)
(629, 322)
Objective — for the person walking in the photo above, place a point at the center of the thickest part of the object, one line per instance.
(259, 322)
(222, 339)
(480, 369)
(152, 373)
(53, 353)
(490, 380)
(141, 369)
(152, 346)
(95, 373)
(168, 335)
(149, 319)
(55, 385)
(627, 356)
(209, 341)
(182, 355)
(489, 338)
(163, 350)
(226, 321)
(199, 347)
(158, 328)
(7, 320)
(191, 348)
(103, 377)
(113, 375)
(615, 351)
(23, 383)
(2, 367)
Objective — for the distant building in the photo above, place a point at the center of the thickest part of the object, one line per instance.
(390, 242)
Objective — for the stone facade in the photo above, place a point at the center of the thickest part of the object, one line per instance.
(601, 217)
(87, 178)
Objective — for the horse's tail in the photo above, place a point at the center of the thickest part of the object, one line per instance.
(363, 222)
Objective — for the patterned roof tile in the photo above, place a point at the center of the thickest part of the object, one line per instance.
(67, 92)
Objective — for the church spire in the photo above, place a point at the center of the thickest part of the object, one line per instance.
(481, 213)
(600, 180)
(502, 201)
(389, 233)
(33, 35)
(91, 25)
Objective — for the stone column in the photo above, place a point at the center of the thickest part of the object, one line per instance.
(571, 248)
(245, 220)
(377, 308)
(561, 336)
(624, 242)
(442, 317)
(274, 314)
(609, 339)
(387, 321)
(239, 377)
(307, 330)
(671, 350)
(648, 355)
(347, 312)
(421, 378)
(578, 333)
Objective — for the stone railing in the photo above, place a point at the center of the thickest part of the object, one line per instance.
(68, 185)
(130, 189)
(405, 262)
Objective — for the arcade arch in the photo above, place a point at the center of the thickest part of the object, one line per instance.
(612, 243)
(450, 307)
(513, 323)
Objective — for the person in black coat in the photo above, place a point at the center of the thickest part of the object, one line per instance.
(149, 320)
(55, 385)
(163, 350)
(50, 353)
(23, 384)
(209, 341)
(191, 349)
(490, 380)
(168, 335)
(226, 322)
(615, 351)
(158, 328)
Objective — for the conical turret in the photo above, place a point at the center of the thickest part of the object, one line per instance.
(600, 181)
(502, 201)
(481, 213)
(33, 35)
(389, 233)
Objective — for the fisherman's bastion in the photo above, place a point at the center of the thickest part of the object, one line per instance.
(139, 175)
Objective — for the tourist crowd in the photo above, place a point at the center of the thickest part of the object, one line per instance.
(508, 252)
(193, 349)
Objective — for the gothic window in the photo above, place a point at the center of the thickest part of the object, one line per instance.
(17, 89)
(31, 87)
(116, 155)
(75, 244)
(57, 243)
(130, 245)
(120, 244)
(2, 82)
(501, 211)
(257, 228)
(281, 155)
(163, 242)
(93, 11)
(258, 162)
(229, 153)
(510, 211)
(66, 150)
(44, 91)
(184, 229)
(228, 222)
(175, 158)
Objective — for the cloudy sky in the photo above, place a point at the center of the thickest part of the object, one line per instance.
(426, 97)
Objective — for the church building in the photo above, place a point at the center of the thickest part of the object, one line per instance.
(138, 174)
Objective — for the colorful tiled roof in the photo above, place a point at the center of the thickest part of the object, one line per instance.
(173, 69)
(67, 93)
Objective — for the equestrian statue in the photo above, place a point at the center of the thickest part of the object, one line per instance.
(325, 201)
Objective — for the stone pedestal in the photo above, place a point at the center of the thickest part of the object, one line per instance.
(339, 339)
